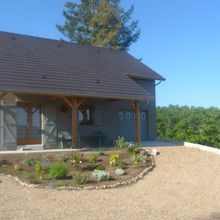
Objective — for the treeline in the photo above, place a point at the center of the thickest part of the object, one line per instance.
(192, 124)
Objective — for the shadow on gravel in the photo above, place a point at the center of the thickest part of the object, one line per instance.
(214, 216)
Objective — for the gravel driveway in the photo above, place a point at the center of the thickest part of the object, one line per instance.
(184, 185)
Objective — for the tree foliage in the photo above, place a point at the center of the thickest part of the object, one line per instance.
(192, 124)
(100, 23)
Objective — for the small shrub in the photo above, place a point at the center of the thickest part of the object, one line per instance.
(119, 172)
(135, 159)
(17, 167)
(133, 148)
(29, 161)
(100, 167)
(137, 148)
(79, 179)
(64, 158)
(58, 171)
(45, 165)
(100, 152)
(93, 158)
(120, 165)
(120, 142)
(38, 170)
(27, 175)
(101, 175)
(114, 159)
(76, 160)
(130, 150)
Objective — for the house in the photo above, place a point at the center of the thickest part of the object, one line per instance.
(50, 86)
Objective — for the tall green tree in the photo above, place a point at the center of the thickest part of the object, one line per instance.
(100, 23)
(193, 124)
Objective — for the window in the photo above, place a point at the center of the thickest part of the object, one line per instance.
(143, 116)
(86, 115)
(128, 115)
(120, 115)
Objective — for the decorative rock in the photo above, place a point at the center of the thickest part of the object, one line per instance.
(153, 152)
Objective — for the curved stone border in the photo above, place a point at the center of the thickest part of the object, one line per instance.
(116, 185)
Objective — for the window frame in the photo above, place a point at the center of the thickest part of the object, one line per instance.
(92, 113)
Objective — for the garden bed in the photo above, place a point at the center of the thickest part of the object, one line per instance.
(77, 170)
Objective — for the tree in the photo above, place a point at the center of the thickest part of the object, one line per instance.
(195, 124)
(100, 23)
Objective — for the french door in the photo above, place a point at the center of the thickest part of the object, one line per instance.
(28, 124)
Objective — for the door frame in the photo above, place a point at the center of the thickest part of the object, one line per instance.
(28, 140)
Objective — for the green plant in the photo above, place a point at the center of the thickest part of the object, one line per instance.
(38, 170)
(17, 167)
(120, 165)
(64, 158)
(100, 167)
(93, 158)
(120, 142)
(76, 160)
(135, 159)
(29, 161)
(58, 171)
(137, 148)
(100, 151)
(130, 150)
(114, 159)
(133, 148)
(27, 175)
(101, 175)
(79, 179)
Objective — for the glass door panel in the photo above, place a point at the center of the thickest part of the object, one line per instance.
(28, 124)
(21, 123)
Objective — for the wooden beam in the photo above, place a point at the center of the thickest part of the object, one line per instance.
(68, 102)
(54, 97)
(137, 121)
(80, 102)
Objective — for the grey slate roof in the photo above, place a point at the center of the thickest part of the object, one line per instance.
(43, 66)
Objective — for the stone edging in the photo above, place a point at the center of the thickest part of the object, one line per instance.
(116, 185)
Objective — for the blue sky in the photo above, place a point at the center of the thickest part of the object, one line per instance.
(180, 39)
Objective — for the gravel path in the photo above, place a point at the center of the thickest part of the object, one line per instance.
(184, 185)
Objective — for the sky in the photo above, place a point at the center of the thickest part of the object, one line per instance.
(180, 39)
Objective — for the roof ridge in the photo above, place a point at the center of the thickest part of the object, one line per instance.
(60, 41)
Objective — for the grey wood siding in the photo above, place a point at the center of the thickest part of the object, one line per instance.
(49, 125)
(8, 126)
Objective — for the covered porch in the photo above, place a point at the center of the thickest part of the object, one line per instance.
(39, 121)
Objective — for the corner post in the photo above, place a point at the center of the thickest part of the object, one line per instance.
(74, 122)
(137, 121)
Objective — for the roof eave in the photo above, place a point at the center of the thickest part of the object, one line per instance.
(148, 97)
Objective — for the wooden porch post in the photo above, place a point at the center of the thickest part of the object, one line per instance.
(74, 123)
(74, 104)
(137, 121)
